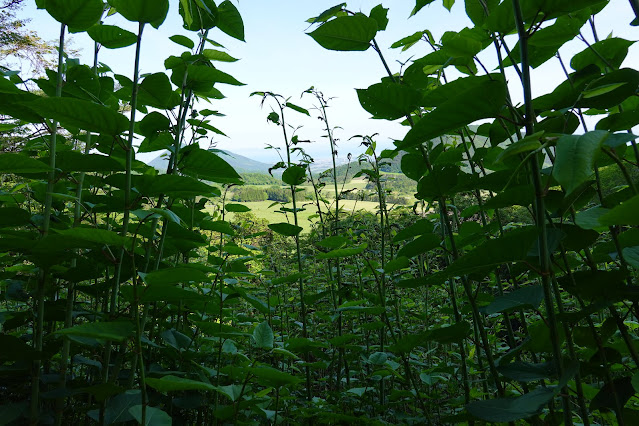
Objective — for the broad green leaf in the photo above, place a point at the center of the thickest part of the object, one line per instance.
(94, 235)
(117, 408)
(12, 411)
(389, 101)
(73, 161)
(420, 245)
(380, 14)
(419, 5)
(76, 14)
(448, 4)
(198, 14)
(522, 146)
(232, 391)
(18, 163)
(156, 91)
(116, 331)
(397, 264)
(236, 208)
(182, 41)
(477, 10)
(154, 416)
(206, 165)
(83, 114)
(450, 334)
(14, 216)
(173, 276)
(175, 384)
(610, 90)
(530, 296)
(294, 175)
(268, 376)
(612, 50)
(346, 33)
(527, 372)
(218, 55)
(513, 246)
(111, 36)
(504, 410)
(230, 20)
(263, 335)
(421, 227)
(343, 252)
(334, 242)
(479, 102)
(575, 160)
(165, 293)
(286, 229)
(631, 255)
(153, 123)
(623, 214)
(589, 219)
(458, 45)
(143, 11)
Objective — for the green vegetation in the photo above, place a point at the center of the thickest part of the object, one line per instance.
(505, 292)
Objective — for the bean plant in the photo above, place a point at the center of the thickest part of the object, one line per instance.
(505, 294)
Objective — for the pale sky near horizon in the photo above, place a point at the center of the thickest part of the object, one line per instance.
(278, 56)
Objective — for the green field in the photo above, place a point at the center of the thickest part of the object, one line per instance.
(263, 209)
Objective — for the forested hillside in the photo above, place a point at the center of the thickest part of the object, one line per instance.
(489, 276)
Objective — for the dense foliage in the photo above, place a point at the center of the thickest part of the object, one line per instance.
(129, 296)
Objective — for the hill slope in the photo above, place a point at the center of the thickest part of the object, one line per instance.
(240, 163)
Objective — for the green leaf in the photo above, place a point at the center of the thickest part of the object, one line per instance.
(397, 264)
(448, 4)
(631, 254)
(83, 114)
(111, 36)
(232, 391)
(198, 14)
(76, 14)
(163, 293)
(17, 163)
(530, 296)
(483, 101)
(334, 242)
(267, 376)
(217, 55)
(344, 252)
(236, 208)
(73, 161)
(175, 384)
(612, 50)
(420, 245)
(230, 20)
(380, 14)
(173, 276)
(348, 33)
(204, 164)
(154, 416)
(297, 108)
(98, 236)
(526, 372)
(419, 4)
(623, 214)
(263, 335)
(503, 410)
(143, 11)
(116, 331)
(576, 157)
(422, 226)
(14, 216)
(156, 91)
(182, 41)
(294, 175)
(286, 229)
(389, 101)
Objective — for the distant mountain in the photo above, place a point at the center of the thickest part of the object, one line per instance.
(240, 163)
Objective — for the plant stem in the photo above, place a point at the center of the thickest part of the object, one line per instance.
(44, 273)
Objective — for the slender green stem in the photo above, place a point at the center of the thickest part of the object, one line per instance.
(44, 273)
(540, 210)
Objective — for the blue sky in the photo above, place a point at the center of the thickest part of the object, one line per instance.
(278, 56)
